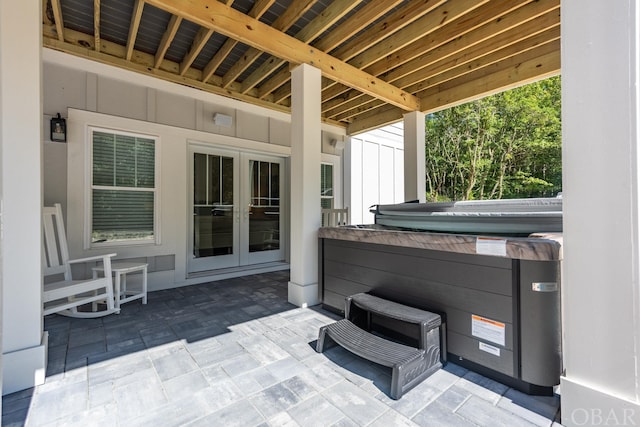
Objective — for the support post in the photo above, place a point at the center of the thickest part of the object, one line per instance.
(601, 186)
(414, 161)
(305, 184)
(23, 342)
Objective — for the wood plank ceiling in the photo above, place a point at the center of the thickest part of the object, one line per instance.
(379, 58)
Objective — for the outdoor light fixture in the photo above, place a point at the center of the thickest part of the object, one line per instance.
(58, 129)
(337, 144)
(222, 119)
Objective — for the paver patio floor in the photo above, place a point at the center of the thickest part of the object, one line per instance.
(236, 353)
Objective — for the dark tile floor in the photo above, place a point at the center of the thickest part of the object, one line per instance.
(235, 352)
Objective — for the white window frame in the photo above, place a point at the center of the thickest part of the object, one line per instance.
(336, 162)
(88, 244)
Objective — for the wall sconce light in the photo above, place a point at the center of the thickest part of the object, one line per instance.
(58, 129)
(338, 144)
(222, 119)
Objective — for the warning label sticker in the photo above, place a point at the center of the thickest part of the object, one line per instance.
(487, 329)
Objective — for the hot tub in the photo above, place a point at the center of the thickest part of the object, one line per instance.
(499, 294)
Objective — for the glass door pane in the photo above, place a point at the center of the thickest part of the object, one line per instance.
(215, 227)
(263, 240)
(213, 205)
(264, 205)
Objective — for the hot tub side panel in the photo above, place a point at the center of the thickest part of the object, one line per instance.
(478, 295)
(540, 332)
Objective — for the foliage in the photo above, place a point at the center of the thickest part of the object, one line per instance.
(506, 145)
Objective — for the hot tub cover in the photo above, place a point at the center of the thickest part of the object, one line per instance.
(505, 216)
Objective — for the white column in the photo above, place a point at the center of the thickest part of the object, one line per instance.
(305, 184)
(23, 347)
(601, 268)
(414, 152)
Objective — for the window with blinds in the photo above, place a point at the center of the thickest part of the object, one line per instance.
(123, 187)
(326, 186)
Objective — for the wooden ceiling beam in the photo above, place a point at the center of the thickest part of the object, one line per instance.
(283, 93)
(280, 78)
(450, 41)
(310, 32)
(259, 8)
(441, 16)
(434, 21)
(245, 61)
(366, 16)
(468, 59)
(491, 13)
(521, 38)
(261, 36)
(46, 18)
(282, 23)
(489, 80)
(446, 70)
(199, 41)
(396, 21)
(167, 38)
(96, 25)
(362, 19)
(542, 44)
(57, 16)
(133, 28)
(383, 116)
(390, 26)
(498, 77)
(496, 18)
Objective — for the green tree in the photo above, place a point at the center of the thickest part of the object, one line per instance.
(506, 145)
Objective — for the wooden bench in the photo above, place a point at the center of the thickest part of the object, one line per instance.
(409, 365)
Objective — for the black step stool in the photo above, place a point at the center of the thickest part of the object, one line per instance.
(409, 365)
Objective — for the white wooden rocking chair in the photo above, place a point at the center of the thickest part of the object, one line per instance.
(65, 296)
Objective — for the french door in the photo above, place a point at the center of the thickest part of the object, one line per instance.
(236, 205)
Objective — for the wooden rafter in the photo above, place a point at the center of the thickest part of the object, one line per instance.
(57, 16)
(494, 18)
(96, 25)
(444, 15)
(322, 22)
(365, 17)
(444, 71)
(282, 23)
(259, 8)
(133, 28)
(258, 35)
(498, 17)
(46, 20)
(113, 54)
(496, 34)
(402, 26)
(167, 38)
(516, 71)
(368, 14)
(542, 30)
(199, 41)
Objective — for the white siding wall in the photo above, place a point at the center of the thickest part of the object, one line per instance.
(88, 93)
(374, 171)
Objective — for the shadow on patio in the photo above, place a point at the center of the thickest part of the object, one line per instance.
(235, 352)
